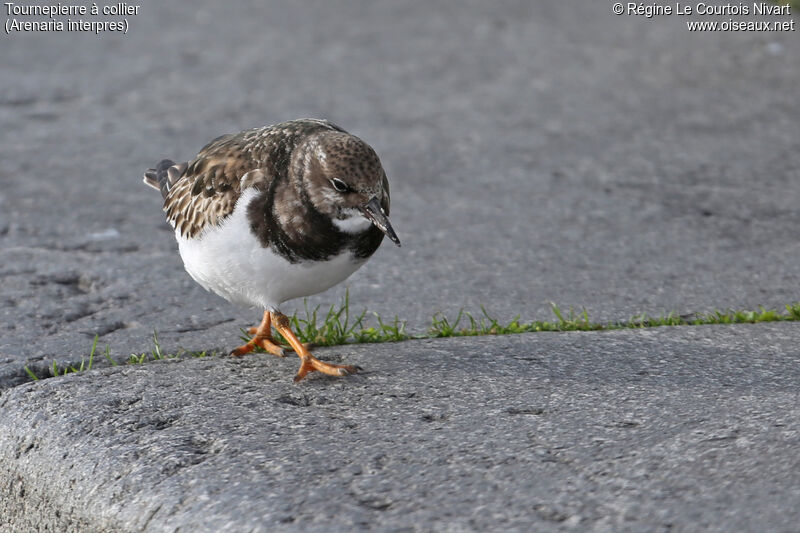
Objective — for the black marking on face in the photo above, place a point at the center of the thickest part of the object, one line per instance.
(283, 214)
(315, 239)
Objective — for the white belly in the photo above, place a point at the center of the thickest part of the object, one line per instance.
(230, 261)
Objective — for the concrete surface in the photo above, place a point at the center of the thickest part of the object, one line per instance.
(687, 429)
(537, 152)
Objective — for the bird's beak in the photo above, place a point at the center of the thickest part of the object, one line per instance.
(374, 212)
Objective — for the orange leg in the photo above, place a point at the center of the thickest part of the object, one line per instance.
(262, 337)
(254, 330)
(308, 363)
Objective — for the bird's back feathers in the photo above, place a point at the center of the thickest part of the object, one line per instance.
(205, 190)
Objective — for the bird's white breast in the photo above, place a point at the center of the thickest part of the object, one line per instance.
(229, 260)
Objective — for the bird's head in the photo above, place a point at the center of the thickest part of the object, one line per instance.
(345, 180)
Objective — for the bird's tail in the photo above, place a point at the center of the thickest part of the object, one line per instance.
(164, 176)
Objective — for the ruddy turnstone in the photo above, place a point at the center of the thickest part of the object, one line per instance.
(275, 213)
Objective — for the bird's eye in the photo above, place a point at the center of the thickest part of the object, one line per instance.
(339, 185)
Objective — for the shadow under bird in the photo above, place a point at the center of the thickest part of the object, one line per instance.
(276, 213)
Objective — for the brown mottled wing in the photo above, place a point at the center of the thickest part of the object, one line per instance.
(211, 183)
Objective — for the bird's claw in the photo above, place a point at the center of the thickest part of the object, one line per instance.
(312, 364)
(265, 343)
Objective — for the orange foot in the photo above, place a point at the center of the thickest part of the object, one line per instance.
(262, 337)
(308, 363)
(254, 330)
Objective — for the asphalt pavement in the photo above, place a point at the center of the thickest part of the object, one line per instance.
(538, 152)
(668, 429)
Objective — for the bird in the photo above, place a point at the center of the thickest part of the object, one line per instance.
(275, 213)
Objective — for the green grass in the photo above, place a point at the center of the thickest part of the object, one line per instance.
(55, 370)
(572, 321)
(338, 326)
